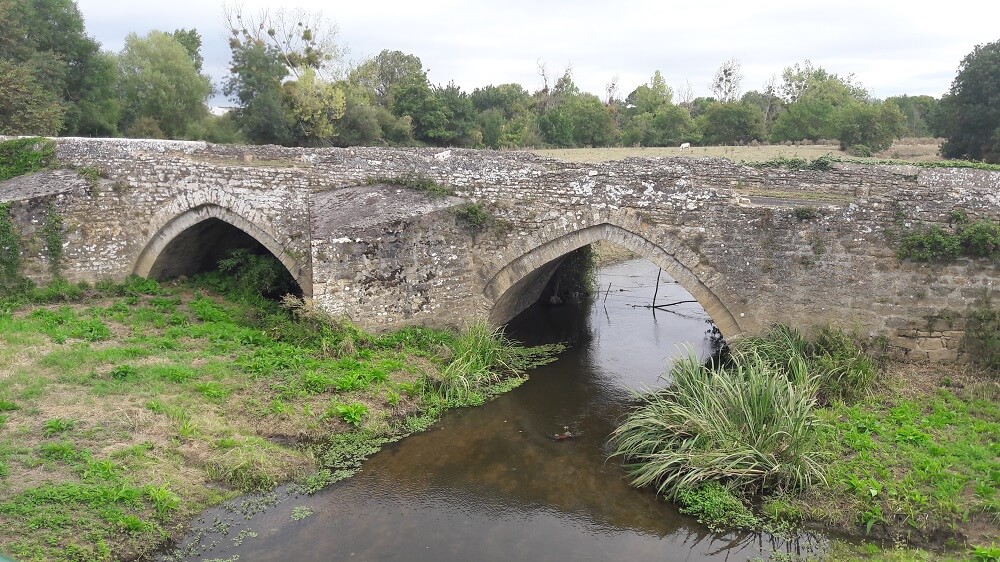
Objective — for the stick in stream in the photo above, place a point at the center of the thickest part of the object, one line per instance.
(657, 289)
(606, 293)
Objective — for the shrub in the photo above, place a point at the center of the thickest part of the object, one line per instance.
(745, 424)
(981, 341)
(978, 239)
(716, 507)
(474, 215)
(23, 156)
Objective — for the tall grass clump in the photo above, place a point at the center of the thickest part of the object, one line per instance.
(480, 358)
(833, 364)
(745, 425)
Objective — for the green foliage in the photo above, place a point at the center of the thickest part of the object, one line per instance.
(57, 425)
(480, 359)
(24, 156)
(986, 553)
(969, 111)
(164, 501)
(916, 461)
(10, 254)
(981, 341)
(871, 126)
(746, 425)
(158, 81)
(352, 413)
(474, 215)
(731, 123)
(416, 182)
(48, 39)
(822, 163)
(26, 106)
(248, 274)
(301, 512)
(977, 239)
(716, 507)
(52, 234)
(805, 213)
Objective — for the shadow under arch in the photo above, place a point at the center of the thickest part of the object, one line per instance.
(531, 270)
(181, 238)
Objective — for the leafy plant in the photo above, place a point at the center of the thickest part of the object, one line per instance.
(978, 239)
(981, 341)
(413, 181)
(164, 501)
(986, 553)
(301, 512)
(57, 425)
(716, 507)
(23, 156)
(352, 413)
(474, 215)
(52, 234)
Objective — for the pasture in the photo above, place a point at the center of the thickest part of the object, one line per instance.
(913, 149)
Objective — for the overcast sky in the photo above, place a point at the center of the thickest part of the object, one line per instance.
(891, 47)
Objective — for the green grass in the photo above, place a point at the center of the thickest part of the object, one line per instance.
(924, 465)
(147, 374)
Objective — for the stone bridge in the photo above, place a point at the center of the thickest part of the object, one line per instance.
(754, 245)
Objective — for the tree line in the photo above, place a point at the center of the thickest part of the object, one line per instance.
(288, 86)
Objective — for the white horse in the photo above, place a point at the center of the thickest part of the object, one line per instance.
(685, 146)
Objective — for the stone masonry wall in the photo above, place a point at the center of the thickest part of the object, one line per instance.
(755, 245)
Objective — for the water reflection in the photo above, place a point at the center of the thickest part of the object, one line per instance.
(492, 484)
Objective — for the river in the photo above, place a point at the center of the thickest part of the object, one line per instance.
(491, 483)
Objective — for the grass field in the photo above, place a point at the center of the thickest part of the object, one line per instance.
(914, 149)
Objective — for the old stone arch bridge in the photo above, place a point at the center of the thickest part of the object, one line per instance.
(755, 246)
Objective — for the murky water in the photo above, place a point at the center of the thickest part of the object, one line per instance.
(491, 483)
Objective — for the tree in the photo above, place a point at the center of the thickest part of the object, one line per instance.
(726, 83)
(869, 127)
(268, 48)
(256, 73)
(920, 113)
(25, 107)
(731, 123)
(191, 40)
(313, 106)
(813, 98)
(301, 40)
(381, 73)
(971, 109)
(47, 38)
(158, 81)
(648, 98)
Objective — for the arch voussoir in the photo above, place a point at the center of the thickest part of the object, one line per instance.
(515, 270)
(177, 225)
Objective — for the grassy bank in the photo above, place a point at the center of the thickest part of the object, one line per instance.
(127, 409)
(809, 434)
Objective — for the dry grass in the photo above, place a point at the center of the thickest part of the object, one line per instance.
(914, 149)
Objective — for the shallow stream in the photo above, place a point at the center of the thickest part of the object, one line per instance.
(492, 483)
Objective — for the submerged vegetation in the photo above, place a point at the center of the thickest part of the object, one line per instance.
(793, 431)
(128, 408)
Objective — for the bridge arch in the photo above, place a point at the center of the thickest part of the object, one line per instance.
(528, 269)
(181, 237)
